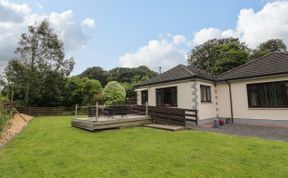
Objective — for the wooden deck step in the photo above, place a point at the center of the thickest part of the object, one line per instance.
(104, 123)
(165, 127)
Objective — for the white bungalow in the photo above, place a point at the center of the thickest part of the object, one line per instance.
(253, 93)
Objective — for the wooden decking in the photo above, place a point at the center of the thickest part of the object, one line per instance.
(165, 127)
(109, 123)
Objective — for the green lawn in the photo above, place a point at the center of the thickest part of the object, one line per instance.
(50, 147)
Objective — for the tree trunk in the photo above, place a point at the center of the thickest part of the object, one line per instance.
(27, 95)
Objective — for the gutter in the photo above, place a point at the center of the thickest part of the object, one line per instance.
(231, 101)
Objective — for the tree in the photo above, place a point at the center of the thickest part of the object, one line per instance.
(114, 93)
(130, 86)
(96, 73)
(40, 64)
(82, 91)
(128, 77)
(268, 47)
(219, 55)
(125, 74)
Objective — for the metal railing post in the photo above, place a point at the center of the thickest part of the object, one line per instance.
(76, 107)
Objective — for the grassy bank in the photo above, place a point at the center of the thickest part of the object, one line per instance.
(4, 117)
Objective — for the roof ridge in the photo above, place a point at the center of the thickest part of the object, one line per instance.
(252, 61)
(166, 71)
(186, 68)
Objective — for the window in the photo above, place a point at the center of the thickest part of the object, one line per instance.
(144, 97)
(166, 96)
(205, 93)
(268, 95)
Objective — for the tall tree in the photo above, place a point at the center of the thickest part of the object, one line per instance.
(83, 91)
(268, 47)
(96, 73)
(219, 55)
(125, 74)
(40, 64)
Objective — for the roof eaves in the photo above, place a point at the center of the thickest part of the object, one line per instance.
(241, 66)
(166, 81)
(255, 76)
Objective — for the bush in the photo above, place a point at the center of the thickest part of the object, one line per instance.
(4, 116)
(114, 93)
(2, 99)
(83, 91)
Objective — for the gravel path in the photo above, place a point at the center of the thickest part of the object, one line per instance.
(273, 133)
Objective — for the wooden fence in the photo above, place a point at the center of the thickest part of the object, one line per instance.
(164, 115)
(46, 111)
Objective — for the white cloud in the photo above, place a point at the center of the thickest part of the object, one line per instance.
(68, 29)
(254, 27)
(178, 39)
(89, 22)
(156, 53)
(11, 12)
(206, 34)
(270, 22)
(16, 17)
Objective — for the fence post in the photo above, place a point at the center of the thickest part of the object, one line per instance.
(76, 107)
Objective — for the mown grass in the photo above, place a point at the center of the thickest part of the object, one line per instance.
(50, 147)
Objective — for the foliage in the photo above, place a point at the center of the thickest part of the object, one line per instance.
(268, 47)
(130, 86)
(4, 116)
(38, 76)
(83, 91)
(120, 74)
(125, 74)
(219, 55)
(58, 150)
(128, 77)
(3, 98)
(96, 73)
(114, 93)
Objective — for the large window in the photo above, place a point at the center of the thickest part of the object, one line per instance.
(144, 97)
(166, 96)
(268, 95)
(205, 93)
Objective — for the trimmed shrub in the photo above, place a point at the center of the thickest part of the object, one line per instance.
(114, 93)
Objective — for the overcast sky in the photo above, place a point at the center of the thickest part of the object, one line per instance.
(129, 33)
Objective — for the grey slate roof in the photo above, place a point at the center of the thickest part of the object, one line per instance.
(179, 72)
(271, 64)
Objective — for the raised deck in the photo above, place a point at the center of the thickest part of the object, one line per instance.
(102, 123)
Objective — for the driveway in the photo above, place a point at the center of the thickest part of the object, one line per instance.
(273, 133)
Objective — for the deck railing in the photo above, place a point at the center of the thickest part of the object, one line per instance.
(168, 115)
(164, 115)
